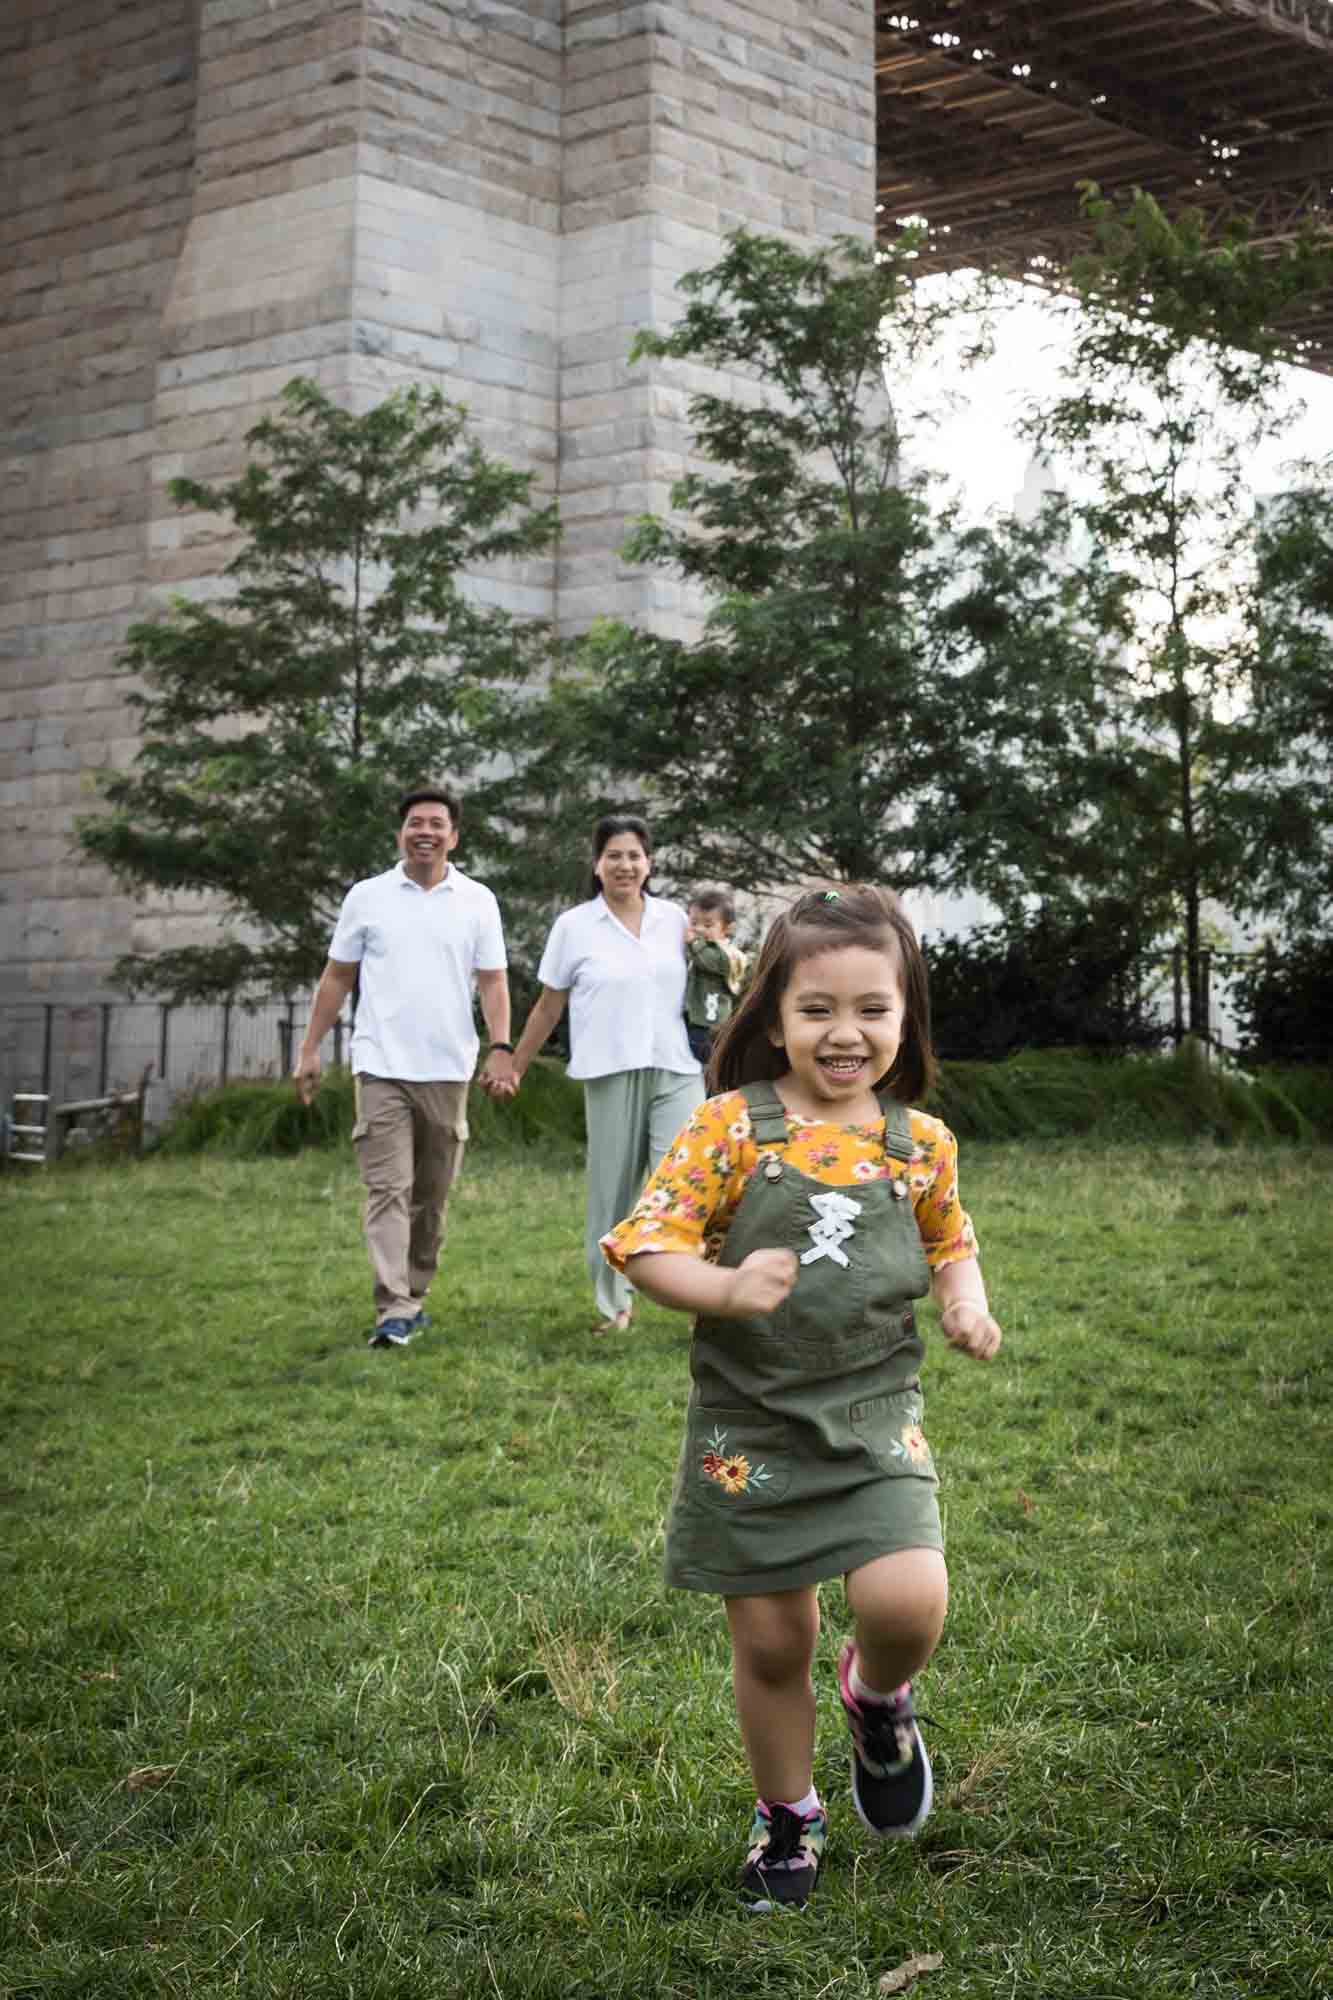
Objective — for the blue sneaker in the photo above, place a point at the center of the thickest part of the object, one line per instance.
(393, 1333)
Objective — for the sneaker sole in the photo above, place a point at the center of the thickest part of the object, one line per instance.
(754, 1904)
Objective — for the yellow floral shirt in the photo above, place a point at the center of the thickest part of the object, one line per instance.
(689, 1201)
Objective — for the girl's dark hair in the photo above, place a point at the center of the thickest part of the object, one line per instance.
(605, 832)
(828, 920)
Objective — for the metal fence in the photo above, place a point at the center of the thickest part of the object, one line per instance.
(67, 1052)
(1215, 1009)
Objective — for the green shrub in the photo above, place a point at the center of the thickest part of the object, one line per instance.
(1063, 1093)
(1038, 1094)
(547, 1112)
(1306, 1090)
(259, 1118)
(1282, 1002)
(256, 1119)
(1046, 981)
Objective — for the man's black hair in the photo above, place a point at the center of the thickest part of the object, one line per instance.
(436, 795)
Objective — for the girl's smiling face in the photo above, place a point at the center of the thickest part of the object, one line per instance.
(841, 1022)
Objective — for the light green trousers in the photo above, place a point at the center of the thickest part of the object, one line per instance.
(632, 1118)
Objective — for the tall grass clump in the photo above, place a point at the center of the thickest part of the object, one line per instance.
(263, 1119)
(1308, 1089)
(1053, 1093)
(1039, 1094)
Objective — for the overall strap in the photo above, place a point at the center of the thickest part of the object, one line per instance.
(768, 1114)
(897, 1127)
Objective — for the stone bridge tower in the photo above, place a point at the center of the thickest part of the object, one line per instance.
(206, 197)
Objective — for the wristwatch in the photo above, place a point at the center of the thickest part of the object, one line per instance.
(505, 1048)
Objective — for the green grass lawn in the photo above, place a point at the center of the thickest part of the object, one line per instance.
(331, 1672)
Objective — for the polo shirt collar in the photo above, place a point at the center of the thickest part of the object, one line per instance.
(405, 880)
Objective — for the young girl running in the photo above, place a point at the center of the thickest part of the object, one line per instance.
(797, 1215)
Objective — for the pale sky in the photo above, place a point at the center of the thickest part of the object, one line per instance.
(977, 450)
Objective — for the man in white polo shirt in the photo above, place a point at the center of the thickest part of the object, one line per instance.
(423, 937)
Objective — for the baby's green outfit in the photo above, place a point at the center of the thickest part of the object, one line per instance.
(715, 975)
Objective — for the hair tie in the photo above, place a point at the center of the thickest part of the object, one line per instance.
(829, 895)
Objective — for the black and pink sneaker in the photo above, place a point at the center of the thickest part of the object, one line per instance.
(891, 1782)
(783, 1862)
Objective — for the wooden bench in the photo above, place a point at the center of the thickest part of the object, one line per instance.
(118, 1117)
(45, 1130)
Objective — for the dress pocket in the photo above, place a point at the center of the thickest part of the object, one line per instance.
(889, 1427)
(736, 1459)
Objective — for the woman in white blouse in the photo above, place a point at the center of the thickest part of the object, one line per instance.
(619, 960)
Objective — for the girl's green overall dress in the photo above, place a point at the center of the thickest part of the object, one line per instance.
(803, 1454)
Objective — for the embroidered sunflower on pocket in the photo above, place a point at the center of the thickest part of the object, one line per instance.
(731, 1470)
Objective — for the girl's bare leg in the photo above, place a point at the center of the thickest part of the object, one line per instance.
(773, 1645)
(898, 1603)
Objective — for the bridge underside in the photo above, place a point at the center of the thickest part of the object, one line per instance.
(991, 111)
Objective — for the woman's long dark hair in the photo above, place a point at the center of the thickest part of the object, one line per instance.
(605, 832)
(828, 920)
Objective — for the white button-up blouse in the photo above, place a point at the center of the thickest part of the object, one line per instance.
(626, 993)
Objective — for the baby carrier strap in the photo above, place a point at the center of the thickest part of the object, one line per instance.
(768, 1114)
(897, 1127)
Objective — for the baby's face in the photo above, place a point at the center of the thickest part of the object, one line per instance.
(708, 924)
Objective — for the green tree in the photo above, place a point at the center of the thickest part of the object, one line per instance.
(1172, 383)
(1294, 675)
(820, 723)
(350, 661)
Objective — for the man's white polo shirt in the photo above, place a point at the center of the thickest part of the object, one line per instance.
(419, 951)
(626, 993)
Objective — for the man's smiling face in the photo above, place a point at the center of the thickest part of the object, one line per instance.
(427, 837)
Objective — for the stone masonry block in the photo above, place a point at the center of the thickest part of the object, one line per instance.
(488, 194)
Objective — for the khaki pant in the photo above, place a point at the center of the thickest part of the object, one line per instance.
(409, 1141)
